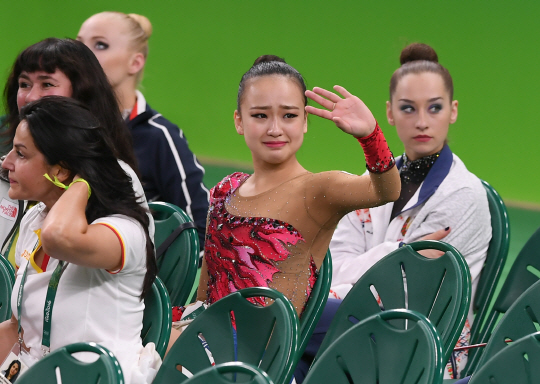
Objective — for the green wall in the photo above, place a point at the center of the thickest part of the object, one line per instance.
(199, 50)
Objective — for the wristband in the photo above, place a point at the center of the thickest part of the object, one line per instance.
(82, 181)
(379, 158)
(58, 183)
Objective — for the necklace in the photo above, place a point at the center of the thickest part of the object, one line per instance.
(415, 171)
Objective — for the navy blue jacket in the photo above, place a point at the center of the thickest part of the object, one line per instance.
(169, 170)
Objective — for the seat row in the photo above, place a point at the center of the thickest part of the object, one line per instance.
(378, 349)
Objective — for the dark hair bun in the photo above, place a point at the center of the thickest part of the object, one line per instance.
(267, 59)
(418, 51)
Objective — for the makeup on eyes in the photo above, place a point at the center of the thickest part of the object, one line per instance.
(100, 45)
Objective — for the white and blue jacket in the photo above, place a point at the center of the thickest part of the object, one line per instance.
(450, 196)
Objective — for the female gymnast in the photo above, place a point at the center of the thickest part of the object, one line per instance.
(440, 199)
(273, 228)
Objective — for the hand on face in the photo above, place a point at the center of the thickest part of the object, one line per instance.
(349, 114)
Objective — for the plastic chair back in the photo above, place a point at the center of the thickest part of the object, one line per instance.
(9, 267)
(105, 370)
(524, 273)
(315, 305)
(439, 289)
(521, 319)
(178, 265)
(6, 287)
(233, 372)
(376, 351)
(234, 329)
(495, 260)
(516, 364)
(157, 317)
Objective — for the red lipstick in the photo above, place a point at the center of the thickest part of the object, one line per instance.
(275, 144)
(422, 138)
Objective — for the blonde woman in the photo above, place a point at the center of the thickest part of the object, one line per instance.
(169, 170)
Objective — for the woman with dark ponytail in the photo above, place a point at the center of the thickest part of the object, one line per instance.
(272, 228)
(88, 234)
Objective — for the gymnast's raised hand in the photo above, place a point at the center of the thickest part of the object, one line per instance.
(350, 114)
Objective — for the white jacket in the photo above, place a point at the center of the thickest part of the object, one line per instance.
(450, 196)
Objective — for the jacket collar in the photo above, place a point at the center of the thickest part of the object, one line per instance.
(434, 178)
(141, 110)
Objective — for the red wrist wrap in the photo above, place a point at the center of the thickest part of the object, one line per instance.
(379, 158)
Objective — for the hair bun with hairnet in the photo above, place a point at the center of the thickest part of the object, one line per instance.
(418, 51)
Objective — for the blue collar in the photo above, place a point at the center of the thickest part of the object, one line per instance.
(435, 177)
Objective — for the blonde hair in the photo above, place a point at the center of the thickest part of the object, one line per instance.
(140, 30)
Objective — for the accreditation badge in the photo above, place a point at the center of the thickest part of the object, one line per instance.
(14, 365)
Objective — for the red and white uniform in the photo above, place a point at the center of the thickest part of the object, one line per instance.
(91, 304)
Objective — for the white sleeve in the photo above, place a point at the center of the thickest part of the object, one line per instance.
(27, 237)
(18, 253)
(132, 240)
(350, 259)
(466, 212)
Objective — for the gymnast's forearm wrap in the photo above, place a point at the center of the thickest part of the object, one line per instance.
(379, 158)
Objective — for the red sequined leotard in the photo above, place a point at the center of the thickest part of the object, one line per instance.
(245, 251)
(278, 238)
